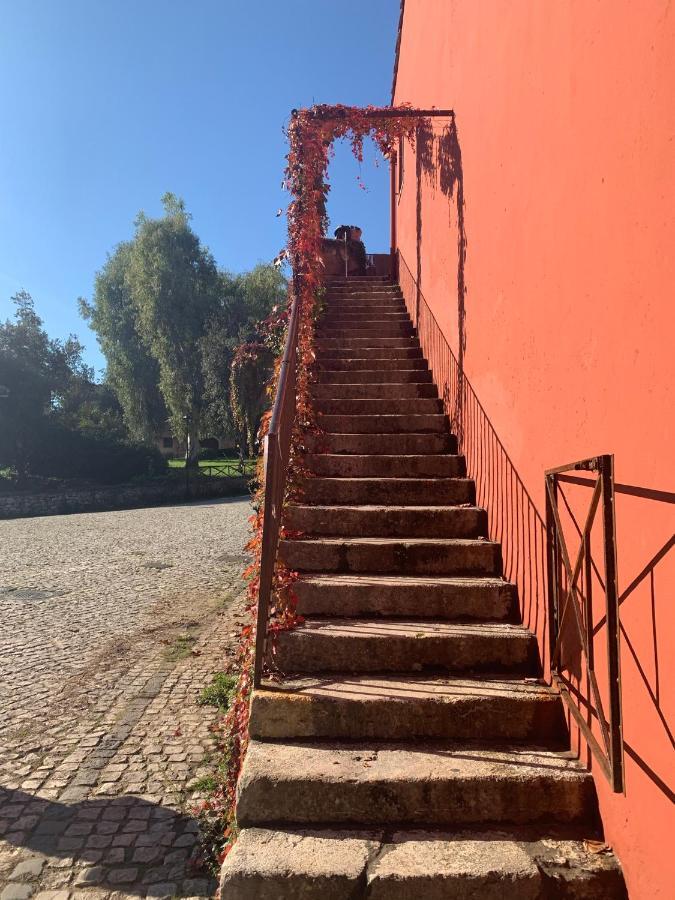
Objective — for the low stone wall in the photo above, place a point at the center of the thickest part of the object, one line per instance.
(122, 496)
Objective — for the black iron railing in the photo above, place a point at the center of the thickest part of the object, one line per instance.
(535, 553)
(571, 613)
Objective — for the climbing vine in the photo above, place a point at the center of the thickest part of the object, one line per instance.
(311, 134)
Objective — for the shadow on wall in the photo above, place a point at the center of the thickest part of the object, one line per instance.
(513, 518)
(643, 632)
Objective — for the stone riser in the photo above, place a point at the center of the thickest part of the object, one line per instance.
(388, 521)
(372, 362)
(387, 491)
(365, 334)
(325, 345)
(371, 376)
(382, 353)
(366, 444)
(327, 864)
(383, 424)
(397, 708)
(358, 646)
(374, 391)
(355, 596)
(393, 556)
(341, 466)
(311, 784)
(384, 406)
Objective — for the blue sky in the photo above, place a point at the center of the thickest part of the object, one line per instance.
(107, 104)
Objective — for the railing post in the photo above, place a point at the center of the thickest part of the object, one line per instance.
(606, 471)
(551, 568)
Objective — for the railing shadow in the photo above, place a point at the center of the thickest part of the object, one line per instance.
(513, 518)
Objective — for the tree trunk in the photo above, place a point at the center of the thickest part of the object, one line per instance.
(192, 455)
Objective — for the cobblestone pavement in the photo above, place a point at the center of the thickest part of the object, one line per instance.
(112, 623)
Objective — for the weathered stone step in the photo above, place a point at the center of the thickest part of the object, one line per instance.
(350, 306)
(407, 708)
(386, 491)
(382, 406)
(336, 465)
(373, 362)
(451, 598)
(381, 645)
(339, 313)
(382, 353)
(388, 521)
(369, 783)
(367, 343)
(373, 391)
(373, 376)
(417, 556)
(348, 335)
(330, 864)
(388, 424)
(387, 444)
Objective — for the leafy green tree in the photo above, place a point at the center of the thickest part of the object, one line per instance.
(33, 371)
(174, 286)
(245, 303)
(131, 371)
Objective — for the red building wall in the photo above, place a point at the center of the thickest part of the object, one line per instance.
(565, 115)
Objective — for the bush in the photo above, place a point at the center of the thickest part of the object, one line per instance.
(70, 454)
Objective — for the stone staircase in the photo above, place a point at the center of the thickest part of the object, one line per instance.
(411, 750)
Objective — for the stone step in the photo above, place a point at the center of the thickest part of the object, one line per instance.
(389, 424)
(388, 521)
(348, 305)
(373, 376)
(376, 407)
(382, 353)
(335, 465)
(332, 864)
(387, 491)
(451, 598)
(370, 363)
(417, 556)
(369, 783)
(364, 333)
(367, 343)
(381, 645)
(340, 314)
(407, 708)
(386, 444)
(374, 391)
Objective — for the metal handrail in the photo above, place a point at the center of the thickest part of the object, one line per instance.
(276, 454)
(564, 595)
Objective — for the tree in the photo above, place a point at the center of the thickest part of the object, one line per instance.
(54, 420)
(174, 286)
(33, 369)
(132, 372)
(245, 302)
(250, 373)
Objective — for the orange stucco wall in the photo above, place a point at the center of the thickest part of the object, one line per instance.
(565, 114)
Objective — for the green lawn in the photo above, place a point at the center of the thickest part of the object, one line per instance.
(226, 466)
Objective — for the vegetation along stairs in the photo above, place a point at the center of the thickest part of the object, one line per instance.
(411, 749)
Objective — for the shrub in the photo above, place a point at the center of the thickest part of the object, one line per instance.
(70, 454)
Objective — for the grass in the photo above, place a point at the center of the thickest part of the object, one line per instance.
(180, 647)
(249, 464)
(219, 692)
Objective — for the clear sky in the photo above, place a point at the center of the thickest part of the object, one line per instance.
(107, 104)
